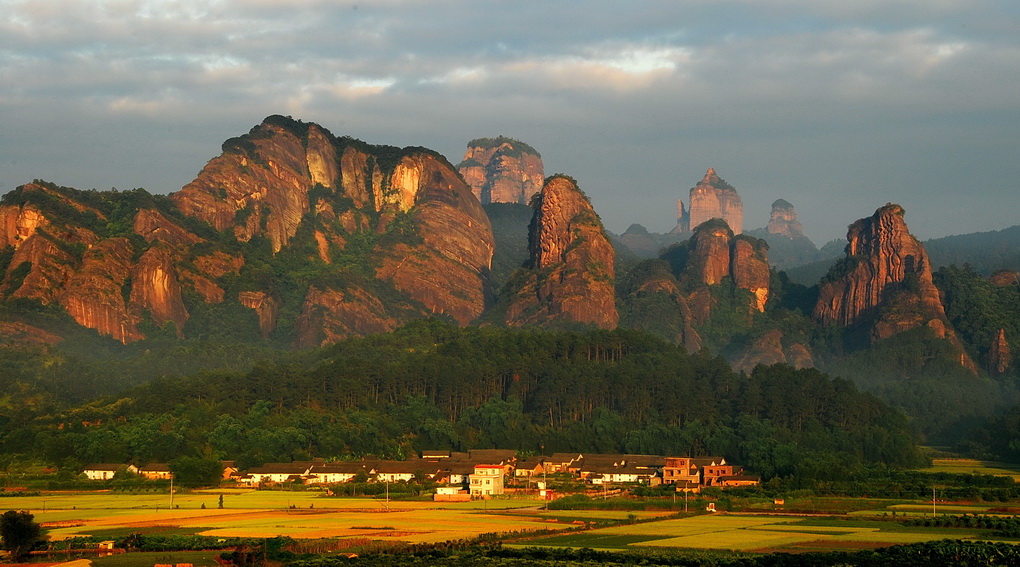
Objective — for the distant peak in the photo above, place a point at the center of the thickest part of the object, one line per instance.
(712, 179)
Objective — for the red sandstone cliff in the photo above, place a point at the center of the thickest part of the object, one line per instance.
(715, 253)
(502, 170)
(711, 198)
(422, 240)
(572, 263)
(885, 282)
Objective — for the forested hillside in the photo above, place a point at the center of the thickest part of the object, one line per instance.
(431, 384)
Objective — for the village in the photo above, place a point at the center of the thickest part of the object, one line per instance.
(478, 473)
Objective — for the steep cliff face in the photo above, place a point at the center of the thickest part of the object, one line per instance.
(749, 267)
(881, 256)
(715, 253)
(260, 184)
(502, 170)
(711, 198)
(709, 258)
(95, 296)
(155, 288)
(18, 223)
(316, 218)
(884, 282)
(783, 220)
(572, 263)
(438, 241)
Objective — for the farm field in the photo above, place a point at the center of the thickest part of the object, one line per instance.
(973, 466)
(753, 533)
(266, 514)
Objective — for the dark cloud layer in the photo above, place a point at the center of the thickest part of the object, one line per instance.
(835, 107)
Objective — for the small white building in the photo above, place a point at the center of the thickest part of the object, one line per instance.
(487, 480)
(105, 471)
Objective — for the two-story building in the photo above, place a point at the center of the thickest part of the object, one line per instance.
(487, 480)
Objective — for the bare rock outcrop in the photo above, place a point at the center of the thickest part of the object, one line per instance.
(95, 296)
(1000, 359)
(768, 349)
(260, 184)
(572, 263)
(265, 306)
(1004, 278)
(711, 198)
(153, 226)
(502, 170)
(885, 282)
(783, 220)
(155, 288)
(331, 315)
(714, 254)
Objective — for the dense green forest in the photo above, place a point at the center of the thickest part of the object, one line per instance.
(431, 384)
(985, 252)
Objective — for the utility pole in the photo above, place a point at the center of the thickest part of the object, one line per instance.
(171, 492)
(687, 483)
(933, 501)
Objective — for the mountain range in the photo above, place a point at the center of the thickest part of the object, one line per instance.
(296, 238)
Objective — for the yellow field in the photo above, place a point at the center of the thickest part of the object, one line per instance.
(973, 466)
(253, 513)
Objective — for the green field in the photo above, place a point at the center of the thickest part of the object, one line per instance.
(753, 533)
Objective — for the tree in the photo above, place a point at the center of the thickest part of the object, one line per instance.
(196, 471)
(20, 533)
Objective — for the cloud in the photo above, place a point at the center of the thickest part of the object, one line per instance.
(797, 99)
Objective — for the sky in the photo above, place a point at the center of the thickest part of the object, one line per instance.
(837, 107)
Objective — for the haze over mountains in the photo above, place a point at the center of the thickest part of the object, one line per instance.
(297, 238)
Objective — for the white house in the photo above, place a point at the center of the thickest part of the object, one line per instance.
(105, 471)
(487, 480)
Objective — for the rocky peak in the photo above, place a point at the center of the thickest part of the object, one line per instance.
(711, 198)
(783, 220)
(714, 253)
(709, 257)
(572, 263)
(884, 281)
(424, 243)
(260, 184)
(502, 170)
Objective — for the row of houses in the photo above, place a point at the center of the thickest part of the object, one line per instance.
(151, 471)
(482, 472)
